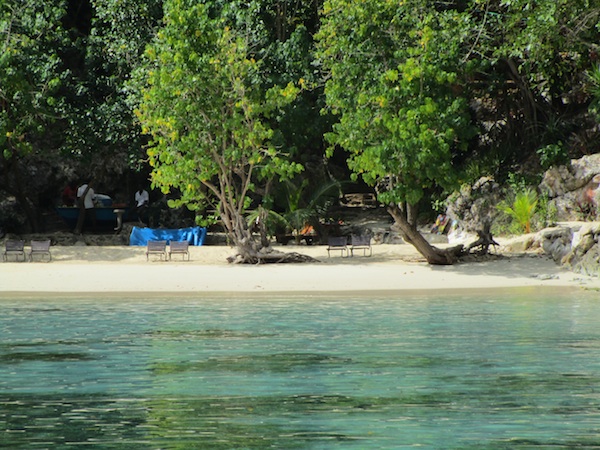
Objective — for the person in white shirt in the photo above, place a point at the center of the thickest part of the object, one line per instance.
(142, 199)
(86, 195)
(86, 192)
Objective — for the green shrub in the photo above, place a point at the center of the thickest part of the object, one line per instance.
(523, 208)
(552, 154)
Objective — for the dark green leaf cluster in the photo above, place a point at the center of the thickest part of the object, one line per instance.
(395, 85)
(30, 41)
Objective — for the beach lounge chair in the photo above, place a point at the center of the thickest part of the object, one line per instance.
(15, 248)
(181, 248)
(41, 248)
(339, 243)
(361, 243)
(157, 248)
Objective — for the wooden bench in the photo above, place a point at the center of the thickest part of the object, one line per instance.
(15, 248)
(157, 248)
(339, 243)
(181, 248)
(41, 248)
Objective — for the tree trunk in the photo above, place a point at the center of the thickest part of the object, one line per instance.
(412, 213)
(249, 250)
(433, 255)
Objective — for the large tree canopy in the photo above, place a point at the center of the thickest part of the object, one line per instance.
(395, 80)
(208, 114)
(413, 82)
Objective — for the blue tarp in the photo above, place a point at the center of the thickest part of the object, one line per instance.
(141, 236)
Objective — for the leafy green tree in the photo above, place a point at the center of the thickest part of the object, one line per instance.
(108, 38)
(394, 81)
(283, 35)
(31, 37)
(530, 93)
(207, 113)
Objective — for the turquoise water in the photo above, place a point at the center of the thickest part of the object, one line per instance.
(487, 371)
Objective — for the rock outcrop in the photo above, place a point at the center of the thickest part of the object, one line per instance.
(574, 245)
(573, 189)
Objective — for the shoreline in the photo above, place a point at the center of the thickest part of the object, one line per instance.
(161, 297)
(123, 270)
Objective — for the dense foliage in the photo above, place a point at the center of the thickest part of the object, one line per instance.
(416, 79)
(430, 94)
(203, 104)
(108, 41)
(395, 84)
(412, 98)
(31, 42)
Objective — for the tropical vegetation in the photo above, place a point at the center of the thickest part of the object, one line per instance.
(224, 104)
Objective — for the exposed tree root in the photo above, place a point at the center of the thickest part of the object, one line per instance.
(483, 243)
(446, 256)
(270, 257)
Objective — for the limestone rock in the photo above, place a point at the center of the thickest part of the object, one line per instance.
(474, 207)
(525, 243)
(576, 247)
(589, 263)
(574, 189)
(556, 242)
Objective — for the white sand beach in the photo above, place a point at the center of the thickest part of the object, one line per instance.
(91, 269)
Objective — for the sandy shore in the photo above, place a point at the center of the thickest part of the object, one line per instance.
(391, 268)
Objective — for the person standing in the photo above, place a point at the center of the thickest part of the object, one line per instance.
(85, 201)
(142, 199)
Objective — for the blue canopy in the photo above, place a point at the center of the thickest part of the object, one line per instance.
(141, 236)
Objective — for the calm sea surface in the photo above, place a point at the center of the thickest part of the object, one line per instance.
(488, 371)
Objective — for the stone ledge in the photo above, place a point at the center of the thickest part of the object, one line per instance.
(574, 245)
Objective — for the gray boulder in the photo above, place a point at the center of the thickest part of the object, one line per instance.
(574, 189)
(575, 246)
